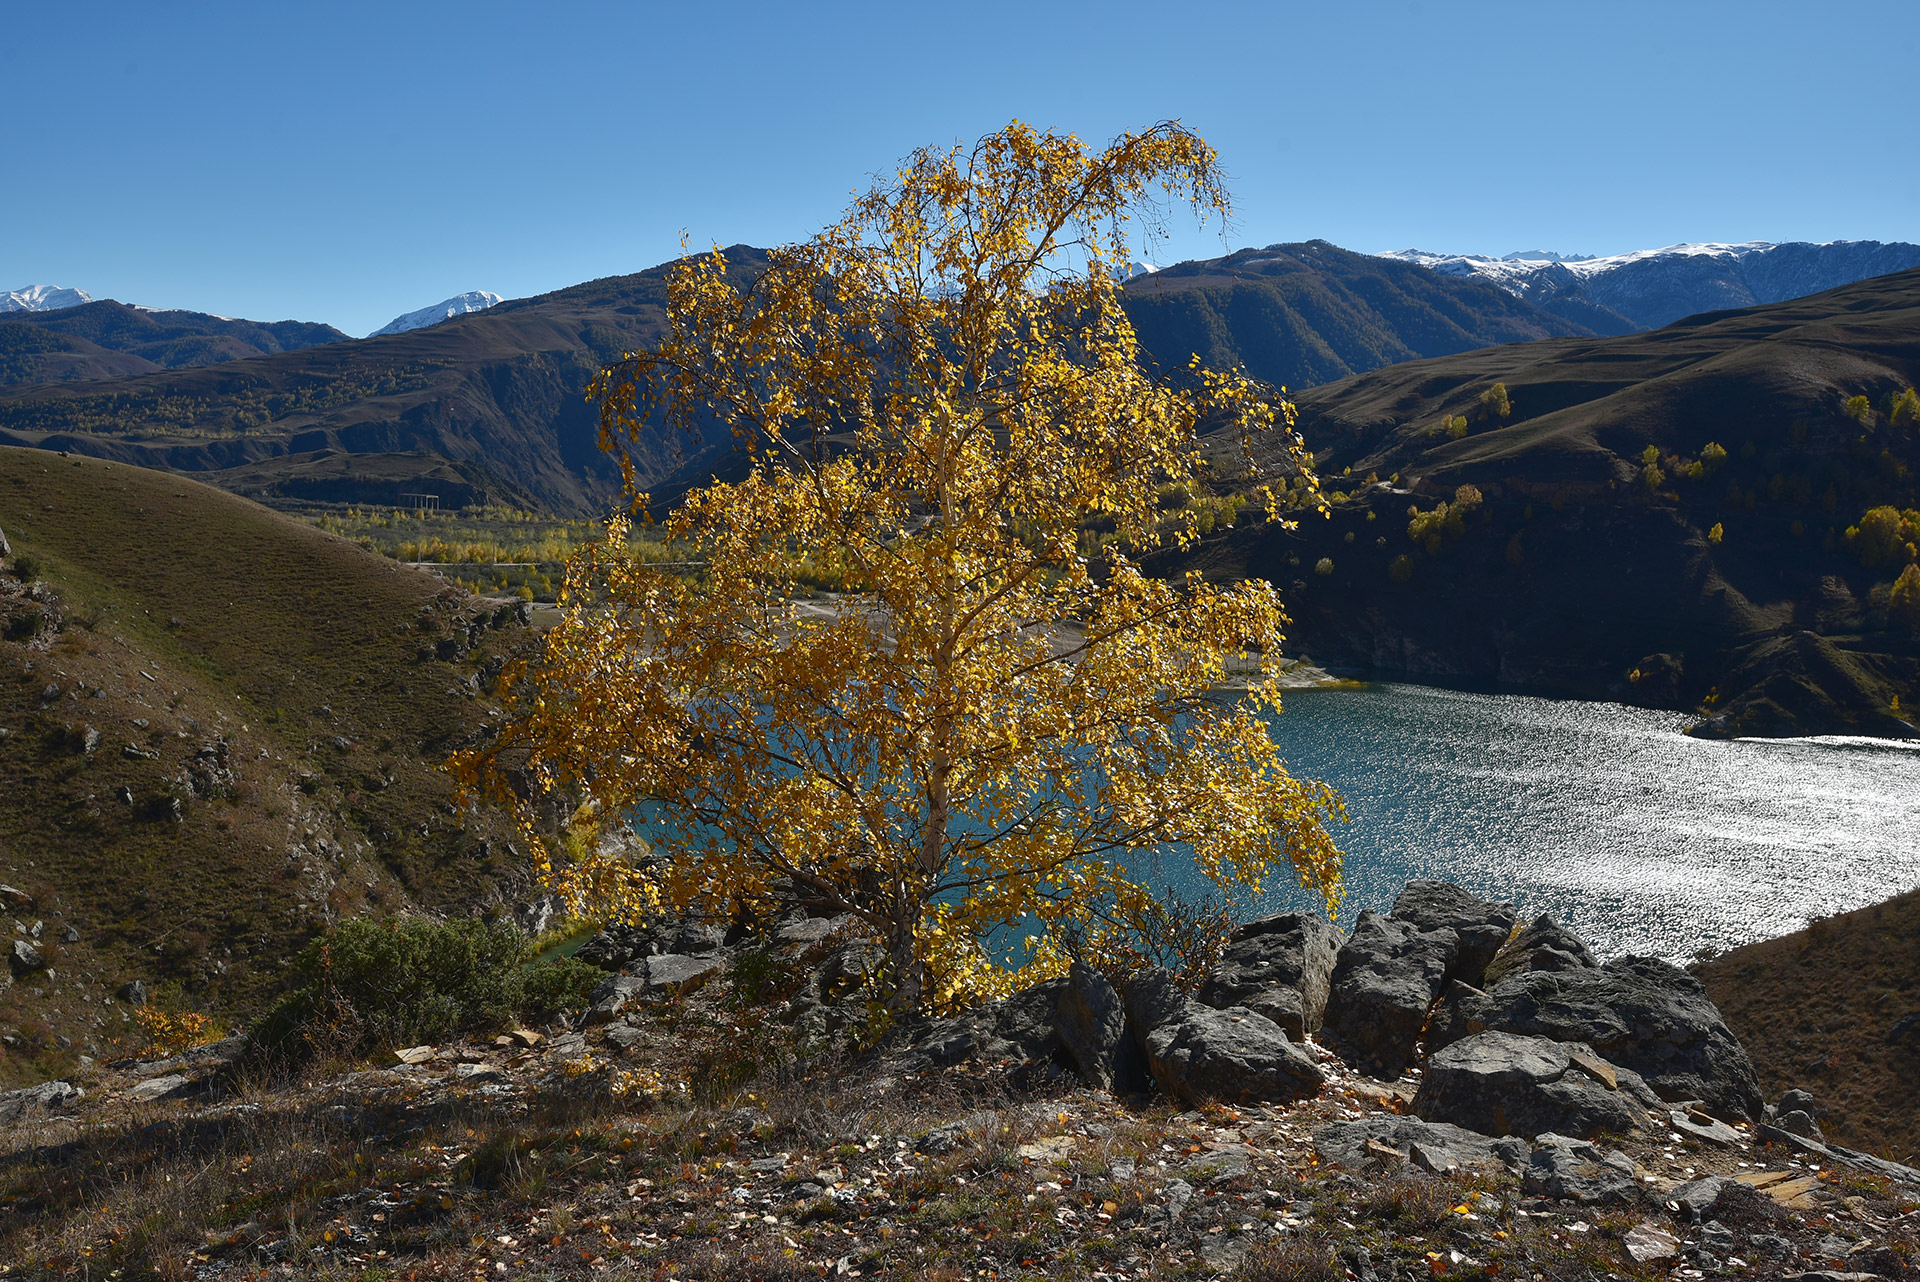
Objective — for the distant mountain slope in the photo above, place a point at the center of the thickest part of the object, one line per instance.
(1578, 568)
(498, 394)
(268, 706)
(105, 339)
(1648, 288)
(1302, 314)
(474, 300)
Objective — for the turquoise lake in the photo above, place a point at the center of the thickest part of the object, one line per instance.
(1605, 816)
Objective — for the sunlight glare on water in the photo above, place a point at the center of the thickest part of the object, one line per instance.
(1608, 817)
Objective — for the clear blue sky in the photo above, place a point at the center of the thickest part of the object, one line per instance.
(347, 163)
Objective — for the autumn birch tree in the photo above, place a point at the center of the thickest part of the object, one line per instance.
(996, 719)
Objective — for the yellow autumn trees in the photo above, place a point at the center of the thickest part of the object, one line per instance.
(998, 723)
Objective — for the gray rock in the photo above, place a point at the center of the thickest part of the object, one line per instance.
(1839, 1153)
(6, 548)
(1798, 1099)
(1694, 1198)
(1801, 1124)
(1710, 1131)
(611, 997)
(1387, 975)
(1640, 1013)
(16, 899)
(1091, 1023)
(1482, 926)
(945, 1139)
(675, 975)
(166, 1087)
(801, 931)
(750, 1121)
(1831, 1275)
(1220, 1163)
(1199, 1054)
(1572, 1170)
(199, 1062)
(624, 1036)
(1506, 1084)
(477, 1074)
(1018, 1029)
(24, 959)
(1544, 945)
(1179, 1194)
(1279, 967)
(1440, 1146)
(35, 1102)
(540, 913)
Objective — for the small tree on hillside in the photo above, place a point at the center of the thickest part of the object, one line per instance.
(989, 728)
(1495, 403)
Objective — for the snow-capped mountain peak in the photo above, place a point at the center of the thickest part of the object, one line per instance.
(474, 300)
(1616, 293)
(42, 298)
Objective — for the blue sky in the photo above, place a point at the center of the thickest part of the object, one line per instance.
(347, 163)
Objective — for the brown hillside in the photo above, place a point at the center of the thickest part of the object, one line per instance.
(1835, 1009)
(219, 729)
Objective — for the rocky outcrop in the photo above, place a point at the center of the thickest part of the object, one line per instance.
(1091, 1022)
(1279, 967)
(1544, 945)
(1387, 975)
(1201, 1054)
(36, 1102)
(1505, 1084)
(1574, 1170)
(1431, 1146)
(1639, 1012)
(1482, 927)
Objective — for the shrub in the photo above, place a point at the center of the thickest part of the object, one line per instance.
(1859, 409)
(1903, 603)
(1494, 401)
(1885, 536)
(1717, 533)
(1712, 457)
(368, 985)
(1457, 427)
(1402, 568)
(26, 568)
(1904, 410)
(1324, 567)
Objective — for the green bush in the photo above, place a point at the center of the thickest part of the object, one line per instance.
(26, 568)
(370, 985)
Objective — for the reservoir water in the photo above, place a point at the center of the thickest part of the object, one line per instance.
(1605, 816)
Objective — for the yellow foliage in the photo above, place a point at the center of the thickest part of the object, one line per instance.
(171, 1032)
(1000, 724)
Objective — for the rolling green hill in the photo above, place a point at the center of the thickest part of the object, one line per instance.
(1576, 568)
(219, 728)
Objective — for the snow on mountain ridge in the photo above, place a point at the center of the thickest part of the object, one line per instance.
(474, 300)
(42, 298)
(1617, 293)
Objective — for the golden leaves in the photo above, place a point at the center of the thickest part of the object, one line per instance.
(983, 726)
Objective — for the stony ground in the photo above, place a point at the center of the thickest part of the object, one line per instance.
(725, 1156)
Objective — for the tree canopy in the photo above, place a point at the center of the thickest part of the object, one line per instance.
(996, 720)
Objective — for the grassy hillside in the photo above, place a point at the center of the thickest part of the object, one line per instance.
(106, 339)
(1576, 568)
(220, 729)
(1822, 1009)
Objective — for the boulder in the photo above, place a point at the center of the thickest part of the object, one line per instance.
(1544, 945)
(611, 997)
(672, 974)
(35, 1102)
(1506, 1084)
(1640, 1013)
(16, 899)
(165, 1087)
(1200, 1054)
(1279, 967)
(24, 959)
(1386, 976)
(1017, 1029)
(1482, 926)
(1573, 1170)
(1091, 1023)
(1694, 1198)
(1433, 1146)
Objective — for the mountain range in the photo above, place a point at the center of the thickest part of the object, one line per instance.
(1621, 293)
